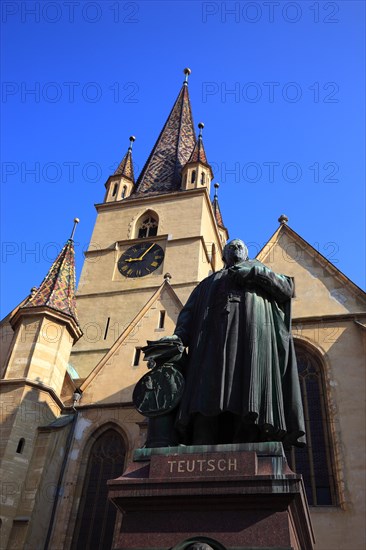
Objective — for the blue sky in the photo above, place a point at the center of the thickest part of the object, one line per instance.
(279, 85)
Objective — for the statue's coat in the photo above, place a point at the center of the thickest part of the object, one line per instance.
(237, 324)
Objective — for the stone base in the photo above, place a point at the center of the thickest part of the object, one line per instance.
(231, 496)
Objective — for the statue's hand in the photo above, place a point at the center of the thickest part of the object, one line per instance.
(172, 338)
(240, 274)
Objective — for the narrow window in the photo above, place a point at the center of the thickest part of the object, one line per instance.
(203, 178)
(136, 359)
(97, 515)
(114, 191)
(213, 256)
(124, 191)
(106, 328)
(193, 176)
(20, 446)
(314, 461)
(161, 319)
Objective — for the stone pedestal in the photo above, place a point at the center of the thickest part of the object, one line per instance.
(231, 496)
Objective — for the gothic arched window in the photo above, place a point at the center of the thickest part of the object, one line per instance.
(97, 515)
(314, 461)
(147, 226)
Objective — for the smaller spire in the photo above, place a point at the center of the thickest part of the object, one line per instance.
(125, 167)
(216, 186)
(216, 208)
(57, 290)
(199, 153)
(187, 72)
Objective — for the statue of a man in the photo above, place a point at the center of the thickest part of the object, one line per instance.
(241, 381)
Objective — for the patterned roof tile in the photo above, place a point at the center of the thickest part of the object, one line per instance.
(125, 167)
(57, 289)
(198, 153)
(172, 150)
(217, 212)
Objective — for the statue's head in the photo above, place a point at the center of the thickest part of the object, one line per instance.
(234, 252)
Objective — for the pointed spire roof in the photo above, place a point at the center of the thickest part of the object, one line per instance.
(57, 290)
(218, 215)
(216, 209)
(199, 153)
(125, 167)
(172, 150)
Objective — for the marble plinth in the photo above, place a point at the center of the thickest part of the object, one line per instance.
(234, 496)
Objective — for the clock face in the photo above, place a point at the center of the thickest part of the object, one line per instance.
(140, 259)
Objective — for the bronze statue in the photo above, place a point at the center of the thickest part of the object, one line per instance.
(241, 380)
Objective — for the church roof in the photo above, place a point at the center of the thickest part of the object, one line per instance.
(125, 167)
(172, 150)
(57, 290)
(291, 237)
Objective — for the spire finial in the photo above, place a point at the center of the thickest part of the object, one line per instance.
(132, 139)
(76, 221)
(187, 72)
(216, 186)
(201, 127)
(283, 219)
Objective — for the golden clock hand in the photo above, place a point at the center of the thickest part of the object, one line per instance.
(146, 251)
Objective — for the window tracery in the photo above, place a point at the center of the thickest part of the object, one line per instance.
(148, 227)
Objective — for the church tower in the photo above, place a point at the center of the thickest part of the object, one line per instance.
(34, 375)
(145, 230)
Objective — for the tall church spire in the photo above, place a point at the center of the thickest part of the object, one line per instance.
(57, 290)
(172, 150)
